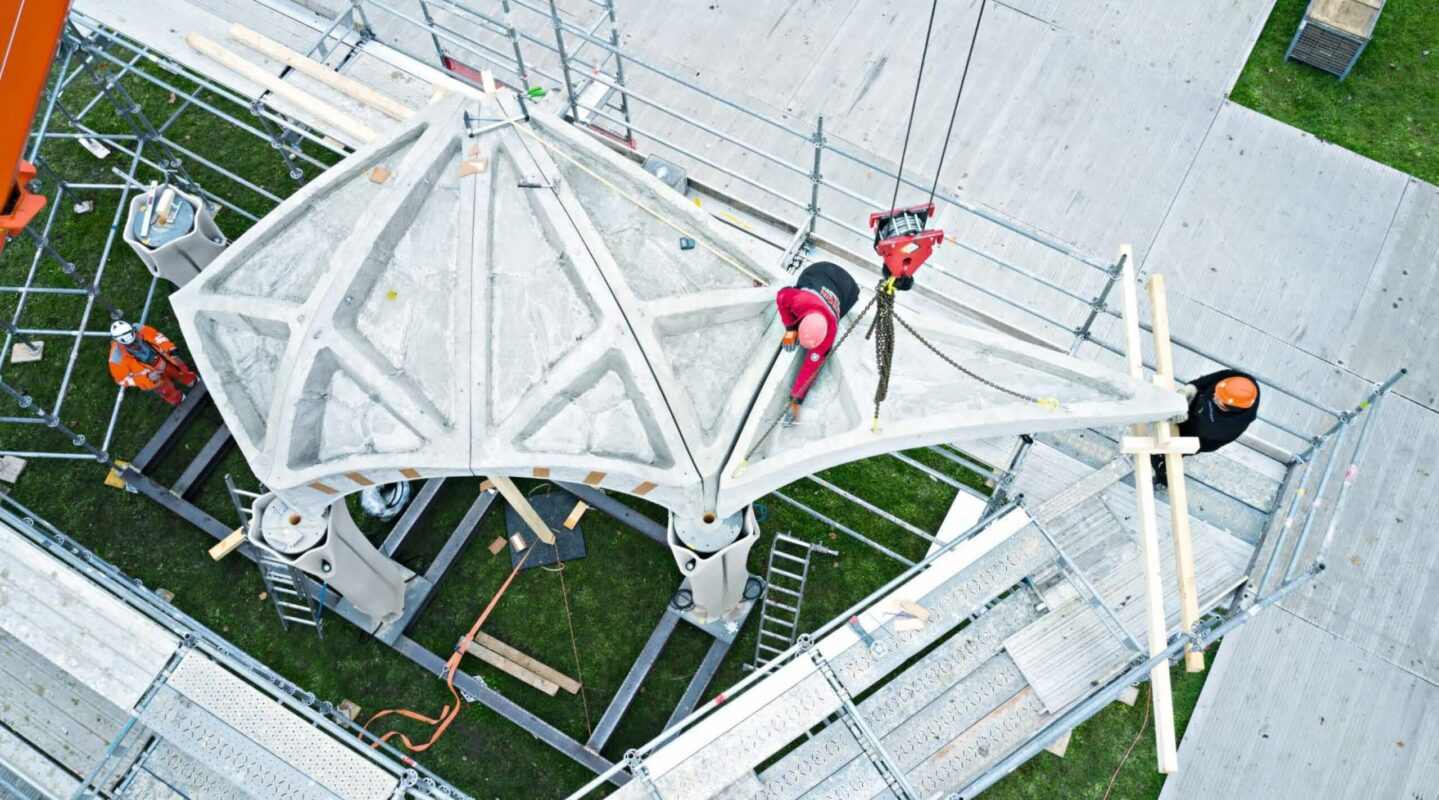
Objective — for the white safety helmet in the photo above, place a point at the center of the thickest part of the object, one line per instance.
(122, 332)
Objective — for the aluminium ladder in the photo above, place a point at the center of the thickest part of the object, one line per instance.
(287, 587)
(785, 576)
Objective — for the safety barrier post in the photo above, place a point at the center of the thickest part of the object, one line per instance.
(564, 62)
(1098, 304)
(815, 177)
(620, 73)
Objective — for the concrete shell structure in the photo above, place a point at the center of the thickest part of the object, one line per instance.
(470, 296)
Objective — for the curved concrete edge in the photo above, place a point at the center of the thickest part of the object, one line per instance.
(846, 411)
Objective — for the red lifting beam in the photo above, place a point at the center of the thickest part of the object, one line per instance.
(29, 35)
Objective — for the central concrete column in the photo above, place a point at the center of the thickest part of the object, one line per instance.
(329, 546)
(713, 554)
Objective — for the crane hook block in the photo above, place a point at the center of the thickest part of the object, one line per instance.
(902, 239)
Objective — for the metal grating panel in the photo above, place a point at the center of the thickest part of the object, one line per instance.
(167, 766)
(951, 665)
(204, 709)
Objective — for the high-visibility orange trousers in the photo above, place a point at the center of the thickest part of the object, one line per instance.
(174, 371)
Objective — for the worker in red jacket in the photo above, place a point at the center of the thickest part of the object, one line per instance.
(811, 311)
(145, 358)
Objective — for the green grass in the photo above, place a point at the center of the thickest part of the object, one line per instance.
(614, 597)
(1388, 107)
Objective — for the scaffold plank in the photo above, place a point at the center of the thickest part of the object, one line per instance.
(770, 714)
(21, 760)
(216, 717)
(78, 626)
(1067, 650)
(950, 672)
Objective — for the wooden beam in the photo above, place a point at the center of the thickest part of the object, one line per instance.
(254, 74)
(1153, 446)
(512, 669)
(1174, 469)
(521, 505)
(1165, 746)
(228, 545)
(544, 671)
(308, 66)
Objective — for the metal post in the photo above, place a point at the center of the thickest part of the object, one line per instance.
(1364, 404)
(519, 59)
(1350, 474)
(1098, 304)
(126, 107)
(27, 402)
(815, 177)
(564, 62)
(1315, 503)
(357, 7)
(91, 287)
(278, 142)
(619, 72)
(434, 37)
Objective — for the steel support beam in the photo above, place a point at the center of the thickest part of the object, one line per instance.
(631, 685)
(411, 517)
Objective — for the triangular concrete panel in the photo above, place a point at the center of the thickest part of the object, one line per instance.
(539, 310)
(247, 356)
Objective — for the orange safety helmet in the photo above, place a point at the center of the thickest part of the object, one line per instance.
(1236, 392)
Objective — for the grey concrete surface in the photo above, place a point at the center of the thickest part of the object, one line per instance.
(518, 303)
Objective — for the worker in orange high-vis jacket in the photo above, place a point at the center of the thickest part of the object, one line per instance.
(145, 358)
(810, 311)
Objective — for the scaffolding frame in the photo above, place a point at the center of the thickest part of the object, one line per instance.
(415, 779)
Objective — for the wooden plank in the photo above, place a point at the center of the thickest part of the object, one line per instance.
(544, 671)
(574, 518)
(308, 66)
(1174, 469)
(1166, 749)
(521, 505)
(914, 609)
(1152, 445)
(60, 614)
(512, 669)
(311, 104)
(1354, 17)
(228, 545)
(35, 767)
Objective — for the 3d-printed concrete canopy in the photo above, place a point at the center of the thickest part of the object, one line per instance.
(512, 299)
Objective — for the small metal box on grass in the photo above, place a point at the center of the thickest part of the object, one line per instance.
(1333, 33)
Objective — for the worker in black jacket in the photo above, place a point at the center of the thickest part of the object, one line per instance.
(1221, 406)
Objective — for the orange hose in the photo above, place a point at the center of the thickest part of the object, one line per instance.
(450, 711)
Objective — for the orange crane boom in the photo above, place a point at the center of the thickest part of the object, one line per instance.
(29, 35)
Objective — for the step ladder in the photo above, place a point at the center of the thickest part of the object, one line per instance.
(287, 587)
(864, 736)
(785, 577)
